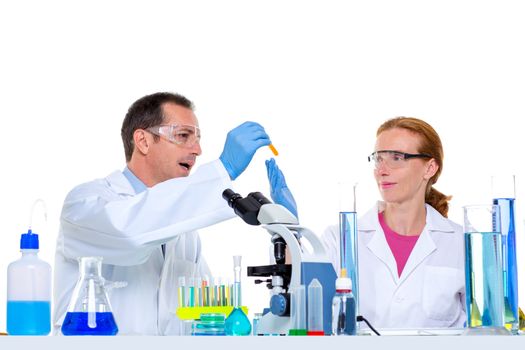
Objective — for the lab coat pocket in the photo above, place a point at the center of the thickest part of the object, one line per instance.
(441, 286)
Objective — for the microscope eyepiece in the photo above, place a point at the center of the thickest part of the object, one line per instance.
(259, 197)
(247, 208)
(230, 197)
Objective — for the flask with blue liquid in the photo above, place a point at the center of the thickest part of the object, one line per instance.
(29, 291)
(89, 311)
(237, 322)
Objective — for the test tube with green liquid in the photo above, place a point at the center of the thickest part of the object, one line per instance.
(182, 292)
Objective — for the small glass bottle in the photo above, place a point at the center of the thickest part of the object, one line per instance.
(237, 322)
(343, 308)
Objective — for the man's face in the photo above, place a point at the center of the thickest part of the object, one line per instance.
(166, 159)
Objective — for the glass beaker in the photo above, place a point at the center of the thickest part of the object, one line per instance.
(484, 270)
(89, 311)
(504, 194)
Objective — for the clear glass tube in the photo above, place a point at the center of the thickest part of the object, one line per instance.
(503, 194)
(348, 249)
(298, 311)
(483, 269)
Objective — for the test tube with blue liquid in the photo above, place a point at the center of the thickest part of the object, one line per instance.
(484, 271)
(348, 236)
(191, 292)
(504, 194)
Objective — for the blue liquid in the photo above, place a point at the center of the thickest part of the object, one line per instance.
(76, 323)
(28, 317)
(510, 271)
(343, 314)
(348, 248)
(237, 323)
(484, 279)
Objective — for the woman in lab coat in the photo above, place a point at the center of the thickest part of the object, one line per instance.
(410, 256)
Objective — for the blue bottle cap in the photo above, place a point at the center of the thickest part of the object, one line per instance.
(29, 240)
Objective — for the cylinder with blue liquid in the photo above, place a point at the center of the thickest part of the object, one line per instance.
(484, 271)
(348, 235)
(503, 192)
(348, 249)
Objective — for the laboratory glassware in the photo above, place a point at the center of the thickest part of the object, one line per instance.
(504, 194)
(209, 324)
(298, 311)
(89, 311)
(483, 270)
(343, 308)
(29, 286)
(315, 308)
(29, 291)
(256, 318)
(237, 322)
(348, 234)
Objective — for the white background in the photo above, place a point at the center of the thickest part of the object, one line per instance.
(319, 75)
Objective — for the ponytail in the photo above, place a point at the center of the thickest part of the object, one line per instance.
(438, 201)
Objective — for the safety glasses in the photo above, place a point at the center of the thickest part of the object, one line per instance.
(179, 134)
(393, 159)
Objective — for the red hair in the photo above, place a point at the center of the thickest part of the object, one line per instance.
(430, 144)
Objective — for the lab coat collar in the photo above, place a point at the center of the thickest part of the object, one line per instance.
(434, 220)
(424, 247)
(119, 183)
(135, 182)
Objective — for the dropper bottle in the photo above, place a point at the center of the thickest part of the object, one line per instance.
(237, 322)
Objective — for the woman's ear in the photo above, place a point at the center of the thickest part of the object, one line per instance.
(431, 169)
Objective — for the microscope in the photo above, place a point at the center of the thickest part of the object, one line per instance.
(308, 260)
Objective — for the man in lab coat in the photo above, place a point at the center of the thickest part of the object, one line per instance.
(142, 220)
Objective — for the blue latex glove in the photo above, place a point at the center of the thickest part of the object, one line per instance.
(279, 191)
(241, 144)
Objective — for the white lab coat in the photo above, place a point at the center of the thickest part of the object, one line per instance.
(107, 218)
(430, 293)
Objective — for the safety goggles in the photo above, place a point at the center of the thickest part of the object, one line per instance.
(393, 159)
(179, 134)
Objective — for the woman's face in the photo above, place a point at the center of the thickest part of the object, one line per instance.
(406, 180)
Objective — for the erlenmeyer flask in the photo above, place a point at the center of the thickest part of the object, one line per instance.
(89, 311)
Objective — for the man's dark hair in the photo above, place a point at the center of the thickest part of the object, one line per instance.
(147, 112)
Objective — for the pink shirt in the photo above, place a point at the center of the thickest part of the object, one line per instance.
(401, 246)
